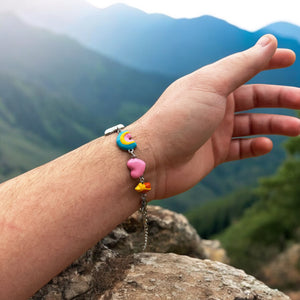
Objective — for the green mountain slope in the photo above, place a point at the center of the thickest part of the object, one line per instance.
(20, 151)
(63, 66)
(215, 216)
(27, 106)
(35, 126)
(56, 95)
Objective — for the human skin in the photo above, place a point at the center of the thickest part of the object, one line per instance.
(51, 215)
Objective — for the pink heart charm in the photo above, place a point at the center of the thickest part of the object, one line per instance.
(137, 167)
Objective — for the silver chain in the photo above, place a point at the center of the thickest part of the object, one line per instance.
(143, 208)
(144, 212)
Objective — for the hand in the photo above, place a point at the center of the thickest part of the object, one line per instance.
(193, 127)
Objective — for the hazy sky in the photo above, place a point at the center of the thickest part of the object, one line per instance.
(250, 14)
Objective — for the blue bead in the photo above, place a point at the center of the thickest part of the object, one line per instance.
(125, 142)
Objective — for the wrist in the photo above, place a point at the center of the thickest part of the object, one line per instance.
(146, 152)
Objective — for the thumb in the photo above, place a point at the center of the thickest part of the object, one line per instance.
(227, 74)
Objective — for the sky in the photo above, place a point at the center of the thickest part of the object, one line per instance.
(247, 14)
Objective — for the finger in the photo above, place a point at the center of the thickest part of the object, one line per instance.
(227, 74)
(254, 124)
(281, 59)
(246, 148)
(260, 95)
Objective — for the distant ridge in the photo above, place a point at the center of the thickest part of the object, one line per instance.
(161, 44)
(284, 29)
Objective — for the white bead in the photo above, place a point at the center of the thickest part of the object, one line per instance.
(114, 129)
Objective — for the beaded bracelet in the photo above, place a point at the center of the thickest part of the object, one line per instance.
(137, 169)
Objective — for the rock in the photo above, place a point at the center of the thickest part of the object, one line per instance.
(68, 285)
(78, 286)
(284, 271)
(171, 276)
(294, 295)
(53, 296)
(214, 251)
(111, 266)
(168, 232)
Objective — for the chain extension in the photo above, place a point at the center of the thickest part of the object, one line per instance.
(144, 212)
(143, 208)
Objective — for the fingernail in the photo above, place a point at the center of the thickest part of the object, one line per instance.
(264, 41)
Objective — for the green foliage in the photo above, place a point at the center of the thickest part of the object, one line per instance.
(273, 222)
(293, 146)
(214, 216)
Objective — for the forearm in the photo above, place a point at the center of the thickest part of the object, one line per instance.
(52, 214)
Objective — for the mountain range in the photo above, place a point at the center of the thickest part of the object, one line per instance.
(61, 64)
(61, 87)
(158, 43)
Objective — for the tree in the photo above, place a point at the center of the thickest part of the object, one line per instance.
(270, 225)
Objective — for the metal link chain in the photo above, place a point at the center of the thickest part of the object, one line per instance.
(143, 208)
(144, 212)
